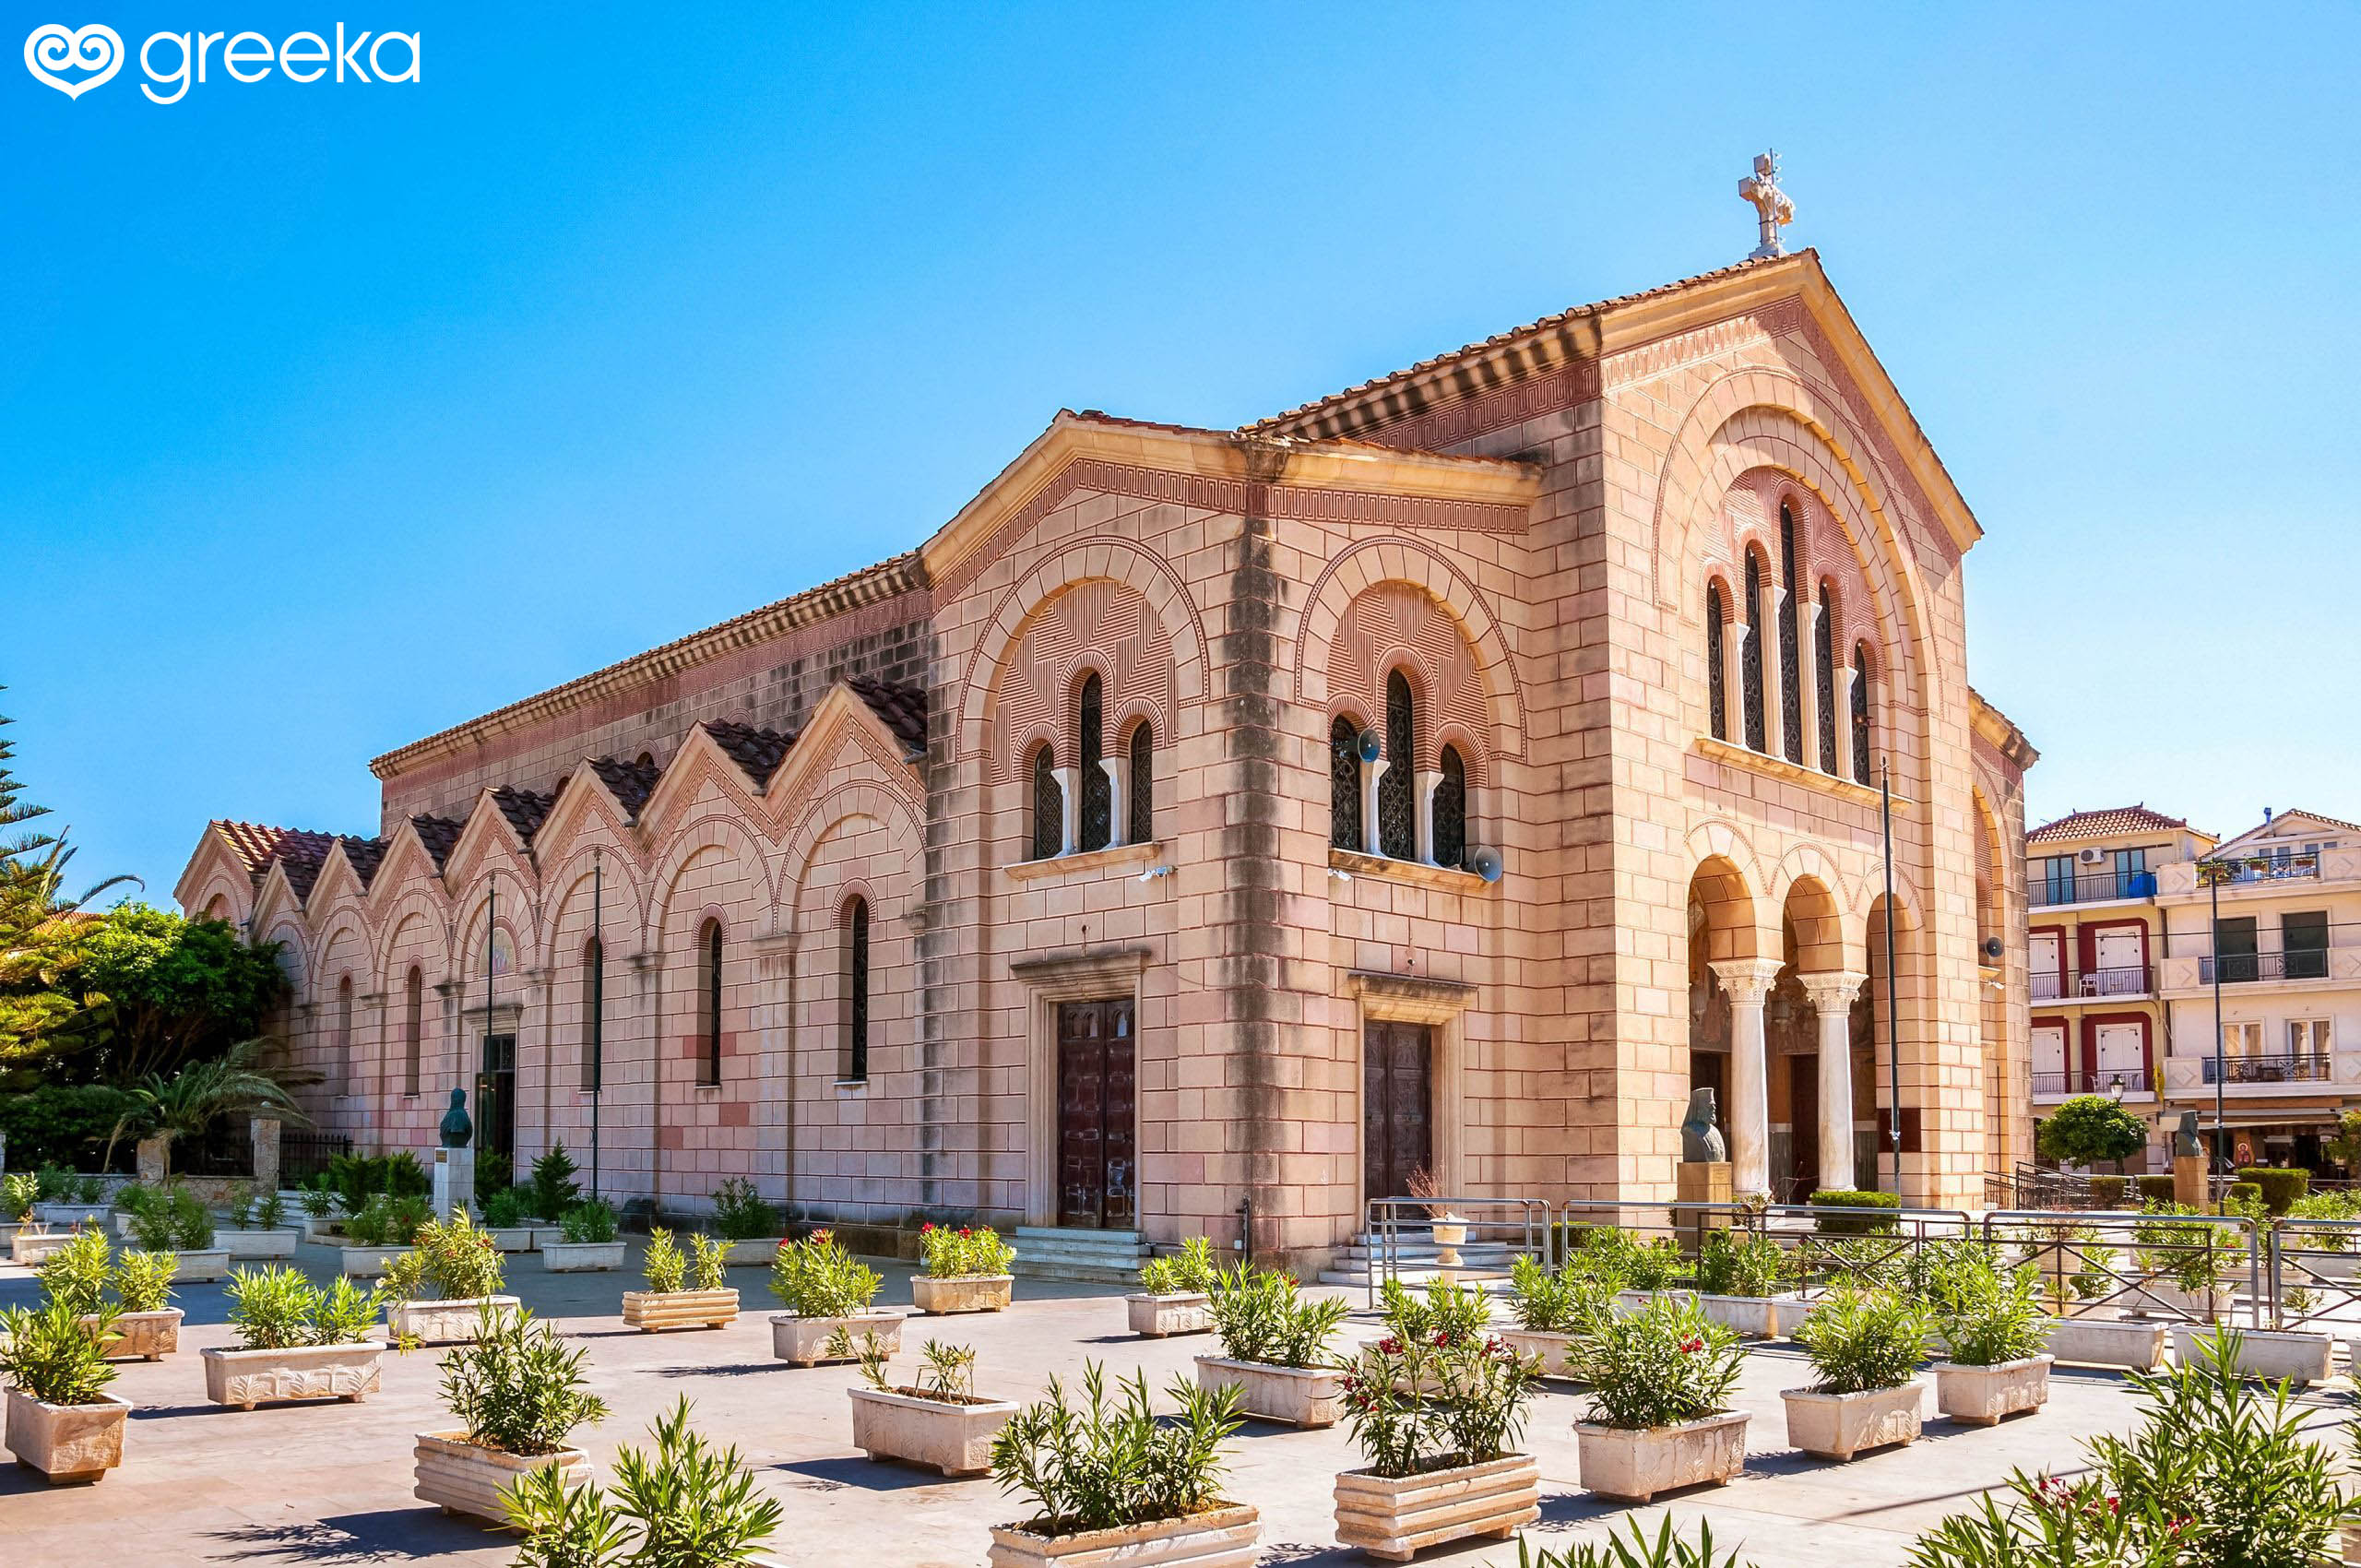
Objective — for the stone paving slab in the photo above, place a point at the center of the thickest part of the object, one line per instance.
(329, 1484)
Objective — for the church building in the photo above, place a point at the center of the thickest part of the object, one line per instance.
(1445, 777)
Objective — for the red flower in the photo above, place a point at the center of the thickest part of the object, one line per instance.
(1692, 1345)
(965, 1231)
(1443, 1338)
(1389, 1346)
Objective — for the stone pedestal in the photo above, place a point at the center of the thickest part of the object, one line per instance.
(262, 1135)
(455, 1180)
(148, 1158)
(2188, 1180)
(1700, 1182)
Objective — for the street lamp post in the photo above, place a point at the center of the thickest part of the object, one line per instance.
(2215, 873)
(1892, 1002)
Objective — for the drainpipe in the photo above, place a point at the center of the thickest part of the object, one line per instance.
(1246, 1227)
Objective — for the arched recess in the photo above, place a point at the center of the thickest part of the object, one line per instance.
(345, 946)
(826, 817)
(1082, 561)
(621, 894)
(1376, 562)
(418, 910)
(1824, 938)
(714, 833)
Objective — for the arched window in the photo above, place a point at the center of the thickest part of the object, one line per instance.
(594, 1015)
(1397, 827)
(1451, 810)
(1716, 674)
(1751, 666)
(1097, 790)
(413, 1028)
(344, 1035)
(1791, 689)
(1344, 784)
(709, 999)
(1861, 713)
(856, 1054)
(1142, 828)
(1824, 660)
(1049, 806)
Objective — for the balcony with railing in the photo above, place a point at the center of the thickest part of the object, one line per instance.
(2057, 1085)
(2283, 1067)
(2096, 886)
(2120, 982)
(2283, 954)
(2246, 968)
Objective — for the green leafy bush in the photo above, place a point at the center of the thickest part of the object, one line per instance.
(48, 1353)
(1568, 1300)
(20, 1190)
(357, 1178)
(1635, 1550)
(1859, 1340)
(76, 1273)
(1837, 1213)
(1734, 1263)
(2107, 1192)
(1989, 1316)
(387, 1221)
(503, 1210)
(816, 1278)
(143, 1282)
(740, 1214)
(593, 1220)
(2190, 1254)
(279, 1308)
(709, 1263)
(691, 1505)
(516, 1387)
(1421, 1402)
(2154, 1189)
(2281, 1188)
(450, 1260)
(964, 1252)
(663, 1268)
(1446, 1308)
(2090, 1128)
(1660, 1365)
(553, 1188)
(171, 1219)
(1260, 1315)
(1105, 1463)
(59, 1127)
(1188, 1272)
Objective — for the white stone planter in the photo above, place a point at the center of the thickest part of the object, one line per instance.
(754, 1251)
(545, 1233)
(581, 1258)
(57, 1216)
(150, 1336)
(2162, 1298)
(2108, 1342)
(368, 1263)
(1757, 1317)
(513, 1238)
(201, 1267)
(258, 1243)
(66, 1442)
(247, 1378)
(442, 1322)
(1837, 1425)
(1221, 1537)
(30, 1247)
(2264, 1353)
(1981, 1396)
(1182, 1313)
(2351, 1542)
(462, 1478)
(1449, 1233)
(653, 1311)
(321, 1228)
(954, 1438)
(1634, 1466)
(9, 1229)
(1296, 1396)
(1393, 1519)
(804, 1340)
(963, 1293)
(1633, 1300)
(1554, 1350)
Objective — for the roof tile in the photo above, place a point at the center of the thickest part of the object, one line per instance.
(2099, 824)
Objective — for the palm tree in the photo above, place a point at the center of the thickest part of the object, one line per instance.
(190, 1100)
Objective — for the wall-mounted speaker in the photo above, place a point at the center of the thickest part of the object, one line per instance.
(1486, 863)
(1371, 746)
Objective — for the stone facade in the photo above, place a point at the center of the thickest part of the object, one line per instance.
(1497, 566)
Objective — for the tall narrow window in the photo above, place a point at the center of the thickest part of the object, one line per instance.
(1451, 810)
(413, 1028)
(1751, 666)
(1397, 828)
(709, 999)
(1861, 713)
(1716, 673)
(1097, 790)
(1344, 784)
(856, 1066)
(1791, 689)
(344, 1035)
(1048, 805)
(1142, 828)
(1823, 659)
(594, 1015)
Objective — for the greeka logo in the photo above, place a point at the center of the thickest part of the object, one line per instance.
(177, 61)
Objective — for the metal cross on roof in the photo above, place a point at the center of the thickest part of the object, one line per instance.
(1773, 210)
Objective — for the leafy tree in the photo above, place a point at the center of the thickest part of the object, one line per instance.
(201, 1093)
(165, 991)
(2344, 1146)
(2091, 1127)
(40, 934)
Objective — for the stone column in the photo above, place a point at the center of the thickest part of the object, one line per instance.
(1843, 697)
(1372, 840)
(1424, 783)
(1748, 982)
(1733, 680)
(1068, 808)
(262, 1136)
(1808, 616)
(1831, 994)
(1118, 770)
(1774, 678)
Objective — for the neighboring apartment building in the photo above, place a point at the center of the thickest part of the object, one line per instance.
(2093, 936)
(2288, 960)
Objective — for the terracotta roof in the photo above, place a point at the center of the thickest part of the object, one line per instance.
(2100, 823)
(257, 845)
(366, 855)
(439, 834)
(1099, 416)
(524, 810)
(902, 708)
(630, 782)
(758, 752)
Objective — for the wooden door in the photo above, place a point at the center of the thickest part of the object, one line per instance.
(1397, 1105)
(1097, 1137)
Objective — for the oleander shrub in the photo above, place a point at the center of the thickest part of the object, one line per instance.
(50, 1353)
(516, 1387)
(171, 1219)
(709, 1263)
(2190, 1254)
(1261, 1315)
(1444, 1307)
(817, 1277)
(1861, 1340)
(1628, 1545)
(1188, 1272)
(964, 1252)
(20, 1190)
(740, 1214)
(1660, 1365)
(690, 1504)
(505, 1211)
(385, 1221)
(1105, 1463)
(1568, 1300)
(76, 1273)
(450, 1261)
(143, 1282)
(662, 1265)
(1741, 1262)
(1422, 1402)
(1837, 1213)
(593, 1220)
(1989, 1316)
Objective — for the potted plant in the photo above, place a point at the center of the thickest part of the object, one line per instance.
(174, 1222)
(35, 1243)
(966, 1270)
(748, 1227)
(380, 1233)
(1641, 1270)
(69, 1200)
(1111, 1482)
(690, 1505)
(131, 1200)
(683, 1291)
(1449, 1228)
(1174, 1295)
(505, 1223)
(295, 1340)
(593, 1241)
(1444, 1311)
(61, 1420)
(937, 1420)
(1659, 1418)
(138, 1322)
(549, 1193)
(1274, 1348)
(1437, 1417)
(257, 1228)
(20, 1190)
(1738, 1277)
(449, 1279)
(320, 1211)
(517, 1393)
(1865, 1346)
(2181, 1263)
(1994, 1331)
(1557, 1312)
(825, 1291)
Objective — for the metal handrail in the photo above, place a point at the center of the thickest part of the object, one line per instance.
(2309, 1267)
(1384, 1219)
(2052, 1234)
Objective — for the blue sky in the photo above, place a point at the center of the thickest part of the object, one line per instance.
(335, 414)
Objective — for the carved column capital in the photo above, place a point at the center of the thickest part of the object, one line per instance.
(1832, 991)
(1748, 981)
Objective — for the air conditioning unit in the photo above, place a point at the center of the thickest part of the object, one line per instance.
(2089, 857)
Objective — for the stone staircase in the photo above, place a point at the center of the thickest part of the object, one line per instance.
(1413, 1259)
(1103, 1257)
